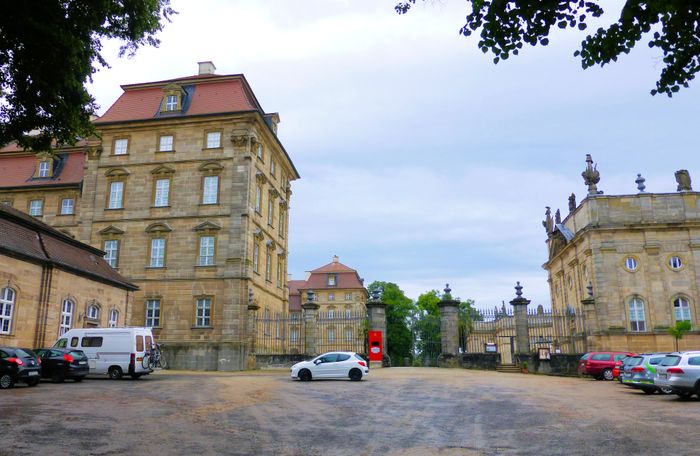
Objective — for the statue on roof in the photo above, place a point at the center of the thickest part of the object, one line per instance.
(591, 176)
(683, 179)
(572, 202)
(547, 223)
(557, 217)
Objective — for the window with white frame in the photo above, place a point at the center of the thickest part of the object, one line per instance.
(206, 250)
(256, 257)
(165, 144)
(162, 197)
(273, 168)
(281, 222)
(93, 312)
(675, 262)
(67, 206)
(331, 335)
(213, 139)
(121, 146)
(279, 271)
(260, 152)
(157, 253)
(258, 199)
(116, 195)
(171, 103)
(637, 315)
(111, 248)
(113, 318)
(331, 296)
(7, 307)
(153, 313)
(332, 279)
(348, 313)
(681, 309)
(66, 316)
(294, 335)
(36, 208)
(348, 334)
(210, 194)
(271, 212)
(348, 296)
(203, 312)
(44, 169)
(268, 265)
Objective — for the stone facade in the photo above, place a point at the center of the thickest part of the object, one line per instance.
(640, 254)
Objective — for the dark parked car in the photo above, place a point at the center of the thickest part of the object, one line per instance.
(18, 365)
(600, 365)
(59, 364)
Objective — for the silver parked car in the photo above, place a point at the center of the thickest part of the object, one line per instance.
(680, 371)
(639, 371)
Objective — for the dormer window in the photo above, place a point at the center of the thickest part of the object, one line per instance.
(44, 169)
(172, 98)
(332, 280)
(44, 165)
(171, 103)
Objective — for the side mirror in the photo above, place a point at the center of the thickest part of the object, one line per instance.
(317, 362)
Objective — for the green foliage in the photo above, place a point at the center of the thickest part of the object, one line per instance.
(49, 49)
(428, 302)
(398, 311)
(505, 25)
(679, 330)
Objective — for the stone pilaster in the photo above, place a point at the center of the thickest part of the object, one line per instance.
(449, 324)
(522, 331)
(310, 315)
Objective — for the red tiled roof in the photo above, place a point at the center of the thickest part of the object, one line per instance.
(211, 94)
(26, 237)
(334, 266)
(295, 285)
(295, 303)
(17, 171)
(319, 281)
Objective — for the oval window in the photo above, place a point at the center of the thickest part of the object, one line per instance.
(675, 262)
(631, 264)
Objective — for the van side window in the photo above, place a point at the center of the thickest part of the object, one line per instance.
(149, 342)
(61, 343)
(139, 343)
(74, 342)
(91, 342)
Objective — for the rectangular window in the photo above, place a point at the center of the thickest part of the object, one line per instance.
(331, 335)
(273, 168)
(121, 146)
(294, 336)
(210, 193)
(111, 249)
(162, 193)
(116, 195)
(206, 250)
(348, 334)
(213, 139)
(91, 341)
(203, 312)
(44, 169)
(256, 257)
(636, 315)
(36, 208)
(331, 280)
(258, 199)
(281, 222)
(157, 253)
(348, 296)
(7, 303)
(268, 266)
(153, 313)
(171, 103)
(331, 313)
(279, 271)
(271, 212)
(113, 318)
(139, 343)
(331, 296)
(67, 206)
(260, 151)
(165, 143)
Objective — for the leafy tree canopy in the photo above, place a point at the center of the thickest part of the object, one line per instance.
(398, 312)
(49, 49)
(505, 25)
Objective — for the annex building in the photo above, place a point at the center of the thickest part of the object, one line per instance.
(187, 192)
(629, 263)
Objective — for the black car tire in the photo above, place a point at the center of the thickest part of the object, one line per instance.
(665, 390)
(115, 372)
(607, 374)
(6, 381)
(33, 382)
(305, 375)
(355, 375)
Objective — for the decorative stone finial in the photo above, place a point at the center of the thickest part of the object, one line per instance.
(591, 176)
(683, 179)
(376, 294)
(557, 217)
(447, 289)
(518, 290)
(640, 183)
(310, 295)
(548, 223)
(589, 288)
(572, 202)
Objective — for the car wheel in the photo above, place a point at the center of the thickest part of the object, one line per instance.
(115, 372)
(57, 377)
(607, 374)
(355, 375)
(665, 390)
(6, 381)
(305, 375)
(33, 382)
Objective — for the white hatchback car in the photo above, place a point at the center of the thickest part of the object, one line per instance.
(332, 365)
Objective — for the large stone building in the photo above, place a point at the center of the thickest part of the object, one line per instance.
(49, 283)
(187, 192)
(629, 263)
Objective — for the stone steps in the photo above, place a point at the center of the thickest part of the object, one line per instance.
(508, 368)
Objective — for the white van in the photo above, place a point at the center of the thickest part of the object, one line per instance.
(112, 351)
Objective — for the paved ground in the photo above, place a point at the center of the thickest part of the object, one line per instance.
(398, 411)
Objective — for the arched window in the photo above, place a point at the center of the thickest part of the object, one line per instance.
(637, 316)
(681, 309)
(93, 312)
(66, 316)
(113, 318)
(7, 307)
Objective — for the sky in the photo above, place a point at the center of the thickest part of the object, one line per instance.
(422, 162)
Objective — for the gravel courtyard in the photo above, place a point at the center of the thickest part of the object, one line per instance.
(398, 411)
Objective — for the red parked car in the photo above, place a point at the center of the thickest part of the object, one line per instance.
(600, 365)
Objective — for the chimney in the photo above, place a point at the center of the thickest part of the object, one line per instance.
(206, 67)
(335, 258)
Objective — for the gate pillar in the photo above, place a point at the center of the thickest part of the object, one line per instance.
(376, 312)
(522, 331)
(310, 311)
(449, 329)
(252, 330)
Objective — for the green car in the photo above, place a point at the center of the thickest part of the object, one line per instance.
(639, 371)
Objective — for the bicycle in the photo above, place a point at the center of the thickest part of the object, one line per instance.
(155, 359)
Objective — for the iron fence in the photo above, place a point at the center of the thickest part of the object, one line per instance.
(279, 334)
(342, 331)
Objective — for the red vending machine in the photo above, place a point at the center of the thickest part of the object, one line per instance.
(375, 348)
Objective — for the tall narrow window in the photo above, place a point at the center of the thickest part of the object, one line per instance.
(210, 194)
(281, 221)
(294, 336)
(206, 250)
(93, 312)
(171, 103)
(279, 271)
(637, 318)
(681, 309)
(153, 313)
(256, 257)
(166, 143)
(203, 317)
(7, 307)
(66, 316)
(67, 206)
(121, 146)
(162, 193)
(213, 139)
(266, 318)
(261, 152)
(271, 212)
(116, 195)
(36, 208)
(268, 265)
(331, 296)
(113, 318)
(331, 280)
(273, 168)
(258, 199)
(111, 249)
(331, 335)
(157, 253)
(44, 169)
(348, 334)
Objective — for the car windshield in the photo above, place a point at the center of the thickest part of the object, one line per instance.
(656, 360)
(634, 361)
(671, 360)
(77, 353)
(586, 356)
(25, 353)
